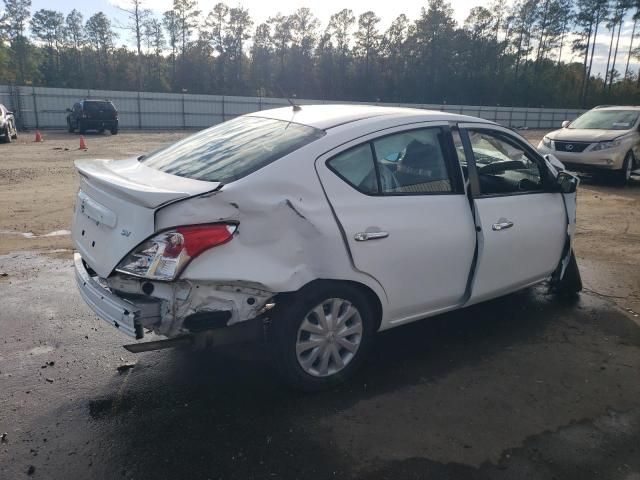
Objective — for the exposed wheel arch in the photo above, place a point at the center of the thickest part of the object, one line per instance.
(373, 298)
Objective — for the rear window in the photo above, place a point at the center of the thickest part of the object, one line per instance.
(233, 149)
(97, 106)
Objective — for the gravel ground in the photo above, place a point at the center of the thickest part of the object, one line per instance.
(526, 386)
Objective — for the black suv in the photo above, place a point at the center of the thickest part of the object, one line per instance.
(98, 115)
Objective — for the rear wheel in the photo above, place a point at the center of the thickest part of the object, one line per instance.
(114, 130)
(320, 337)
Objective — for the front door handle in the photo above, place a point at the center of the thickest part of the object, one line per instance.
(364, 236)
(502, 224)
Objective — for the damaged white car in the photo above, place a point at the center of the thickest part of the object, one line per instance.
(317, 227)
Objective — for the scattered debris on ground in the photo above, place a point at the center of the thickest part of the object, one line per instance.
(125, 367)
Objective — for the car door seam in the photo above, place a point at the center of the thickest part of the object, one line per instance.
(343, 233)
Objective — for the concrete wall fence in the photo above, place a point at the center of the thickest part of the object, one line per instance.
(40, 107)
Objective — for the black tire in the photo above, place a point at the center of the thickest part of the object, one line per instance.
(15, 132)
(69, 127)
(571, 283)
(283, 334)
(82, 127)
(623, 175)
(7, 134)
(114, 130)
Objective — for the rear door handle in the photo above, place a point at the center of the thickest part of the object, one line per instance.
(364, 236)
(502, 224)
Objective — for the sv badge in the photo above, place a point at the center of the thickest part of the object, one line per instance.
(125, 232)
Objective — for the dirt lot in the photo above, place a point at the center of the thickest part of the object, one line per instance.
(38, 186)
(525, 386)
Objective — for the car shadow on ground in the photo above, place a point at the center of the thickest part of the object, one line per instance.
(224, 414)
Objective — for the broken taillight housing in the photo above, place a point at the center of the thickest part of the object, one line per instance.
(165, 255)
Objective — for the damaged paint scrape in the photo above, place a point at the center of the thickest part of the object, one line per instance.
(179, 300)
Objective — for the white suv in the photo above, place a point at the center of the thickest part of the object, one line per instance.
(604, 140)
(319, 226)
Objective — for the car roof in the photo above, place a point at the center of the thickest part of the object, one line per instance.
(330, 116)
(617, 107)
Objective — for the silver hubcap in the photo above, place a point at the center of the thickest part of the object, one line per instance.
(329, 337)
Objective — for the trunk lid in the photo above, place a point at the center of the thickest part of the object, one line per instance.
(116, 205)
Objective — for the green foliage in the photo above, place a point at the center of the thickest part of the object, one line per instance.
(504, 54)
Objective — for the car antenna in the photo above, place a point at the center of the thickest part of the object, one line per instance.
(296, 108)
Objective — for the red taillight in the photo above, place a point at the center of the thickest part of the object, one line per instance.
(198, 238)
(165, 255)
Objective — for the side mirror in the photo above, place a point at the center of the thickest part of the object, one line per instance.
(68, 110)
(566, 123)
(566, 182)
(9, 113)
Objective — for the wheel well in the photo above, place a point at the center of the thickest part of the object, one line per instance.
(373, 298)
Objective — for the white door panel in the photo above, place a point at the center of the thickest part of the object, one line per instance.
(527, 252)
(424, 248)
(522, 223)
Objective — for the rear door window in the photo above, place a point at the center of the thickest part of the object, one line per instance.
(413, 162)
(356, 166)
(233, 149)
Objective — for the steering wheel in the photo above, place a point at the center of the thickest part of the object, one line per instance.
(501, 166)
(525, 185)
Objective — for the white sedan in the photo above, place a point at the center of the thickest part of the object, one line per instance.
(317, 227)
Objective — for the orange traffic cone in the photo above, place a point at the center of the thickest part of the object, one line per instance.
(38, 136)
(83, 145)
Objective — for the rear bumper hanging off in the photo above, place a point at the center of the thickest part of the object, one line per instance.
(126, 316)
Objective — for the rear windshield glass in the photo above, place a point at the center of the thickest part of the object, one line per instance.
(606, 120)
(96, 106)
(232, 149)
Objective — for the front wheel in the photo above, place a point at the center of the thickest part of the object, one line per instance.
(320, 337)
(81, 127)
(7, 134)
(571, 282)
(15, 132)
(624, 174)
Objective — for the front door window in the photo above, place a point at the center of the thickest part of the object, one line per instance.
(503, 167)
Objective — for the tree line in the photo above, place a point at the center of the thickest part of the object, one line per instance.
(525, 53)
